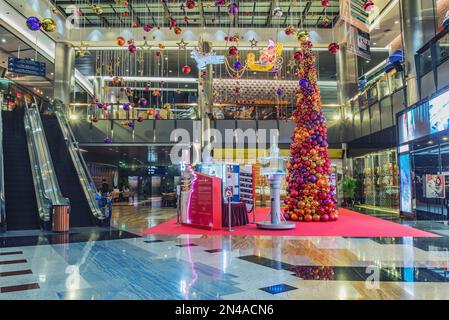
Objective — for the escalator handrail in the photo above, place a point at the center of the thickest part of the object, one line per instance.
(44, 174)
(83, 171)
(2, 179)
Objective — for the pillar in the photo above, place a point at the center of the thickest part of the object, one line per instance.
(205, 96)
(64, 72)
(417, 23)
(346, 75)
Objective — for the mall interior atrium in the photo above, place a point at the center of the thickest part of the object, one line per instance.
(224, 150)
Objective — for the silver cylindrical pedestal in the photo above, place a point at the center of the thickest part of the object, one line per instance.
(277, 222)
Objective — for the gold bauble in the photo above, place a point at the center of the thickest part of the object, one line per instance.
(49, 25)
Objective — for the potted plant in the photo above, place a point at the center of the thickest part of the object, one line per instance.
(348, 187)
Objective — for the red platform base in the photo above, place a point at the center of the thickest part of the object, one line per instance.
(349, 224)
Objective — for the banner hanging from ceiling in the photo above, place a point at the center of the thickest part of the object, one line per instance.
(352, 12)
(359, 43)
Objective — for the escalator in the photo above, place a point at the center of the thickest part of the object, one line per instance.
(80, 212)
(21, 204)
(72, 172)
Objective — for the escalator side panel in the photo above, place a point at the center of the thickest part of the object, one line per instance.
(21, 205)
(80, 212)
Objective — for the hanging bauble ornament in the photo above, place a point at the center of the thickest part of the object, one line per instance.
(333, 48)
(139, 119)
(48, 25)
(190, 4)
(186, 19)
(120, 41)
(248, 14)
(325, 3)
(54, 10)
(158, 53)
(186, 69)
(177, 30)
(290, 30)
(368, 6)
(147, 90)
(33, 23)
(94, 119)
(150, 112)
(131, 124)
(107, 140)
(161, 46)
(143, 102)
(233, 51)
(279, 91)
(126, 107)
(132, 48)
(298, 55)
(173, 22)
(303, 35)
(147, 27)
(326, 22)
(134, 24)
(116, 81)
(233, 8)
(157, 117)
(277, 12)
(237, 90)
(156, 93)
(220, 3)
(126, 14)
(237, 65)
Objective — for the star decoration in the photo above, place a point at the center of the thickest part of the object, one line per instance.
(253, 43)
(291, 64)
(182, 45)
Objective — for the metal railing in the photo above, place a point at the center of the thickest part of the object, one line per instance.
(81, 167)
(2, 182)
(48, 193)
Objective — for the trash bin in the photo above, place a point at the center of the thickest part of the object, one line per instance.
(61, 218)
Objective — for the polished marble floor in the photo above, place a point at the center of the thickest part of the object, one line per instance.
(95, 263)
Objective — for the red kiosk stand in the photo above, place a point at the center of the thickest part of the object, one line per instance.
(204, 206)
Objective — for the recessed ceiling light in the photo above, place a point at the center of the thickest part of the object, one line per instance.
(375, 43)
(3, 40)
(396, 22)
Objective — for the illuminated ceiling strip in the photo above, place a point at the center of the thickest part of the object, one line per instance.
(152, 79)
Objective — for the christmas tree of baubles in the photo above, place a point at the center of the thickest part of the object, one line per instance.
(310, 194)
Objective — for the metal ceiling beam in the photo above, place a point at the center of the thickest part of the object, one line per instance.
(254, 12)
(270, 13)
(304, 13)
(201, 10)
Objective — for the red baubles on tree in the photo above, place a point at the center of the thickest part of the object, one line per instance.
(186, 69)
(297, 56)
(368, 5)
(333, 48)
(310, 194)
(190, 4)
(233, 51)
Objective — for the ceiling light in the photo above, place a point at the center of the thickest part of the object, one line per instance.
(396, 22)
(445, 138)
(336, 117)
(73, 116)
(3, 40)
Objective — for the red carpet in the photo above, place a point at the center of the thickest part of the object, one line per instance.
(349, 224)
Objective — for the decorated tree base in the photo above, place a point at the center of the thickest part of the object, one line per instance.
(310, 194)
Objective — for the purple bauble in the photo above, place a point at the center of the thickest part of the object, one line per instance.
(237, 65)
(100, 105)
(147, 27)
(33, 23)
(280, 91)
(126, 107)
(107, 140)
(131, 124)
(304, 83)
(234, 8)
(143, 102)
(132, 48)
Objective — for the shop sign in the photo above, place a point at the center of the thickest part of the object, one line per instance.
(352, 12)
(26, 66)
(359, 43)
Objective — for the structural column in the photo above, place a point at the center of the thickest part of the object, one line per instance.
(417, 18)
(64, 72)
(205, 96)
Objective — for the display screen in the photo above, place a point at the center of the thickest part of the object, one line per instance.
(439, 113)
(405, 183)
(414, 123)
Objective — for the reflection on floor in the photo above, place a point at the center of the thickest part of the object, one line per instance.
(119, 264)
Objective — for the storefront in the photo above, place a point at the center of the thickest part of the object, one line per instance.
(377, 185)
(424, 159)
